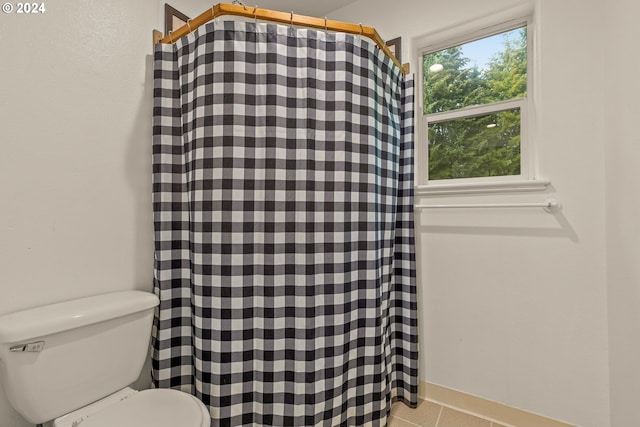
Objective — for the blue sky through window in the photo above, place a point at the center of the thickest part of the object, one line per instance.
(481, 51)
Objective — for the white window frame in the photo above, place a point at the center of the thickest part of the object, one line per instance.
(454, 36)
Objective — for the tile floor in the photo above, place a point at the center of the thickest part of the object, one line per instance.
(430, 414)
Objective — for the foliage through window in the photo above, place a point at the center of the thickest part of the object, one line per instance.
(474, 102)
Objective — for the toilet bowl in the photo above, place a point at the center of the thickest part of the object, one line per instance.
(72, 363)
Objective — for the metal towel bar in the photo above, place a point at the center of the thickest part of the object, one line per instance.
(549, 205)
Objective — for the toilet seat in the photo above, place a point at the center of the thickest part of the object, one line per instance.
(147, 408)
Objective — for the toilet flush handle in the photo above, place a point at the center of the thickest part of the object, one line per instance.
(31, 347)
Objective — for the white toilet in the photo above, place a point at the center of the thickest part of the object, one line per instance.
(72, 362)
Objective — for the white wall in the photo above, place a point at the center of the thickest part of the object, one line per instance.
(514, 303)
(623, 208)
(75, 153)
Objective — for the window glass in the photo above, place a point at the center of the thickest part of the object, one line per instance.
(487, 145)
(488, 70)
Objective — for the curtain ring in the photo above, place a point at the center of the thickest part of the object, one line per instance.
(189, 25)
(255, 14)
(213, 13)
(171, 36)
(240, 3)
(292, 18)
(325, 23)
(361, 30)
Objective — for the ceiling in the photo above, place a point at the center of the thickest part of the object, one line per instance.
(319, 8)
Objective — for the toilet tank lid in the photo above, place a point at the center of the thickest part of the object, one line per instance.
(63, 316)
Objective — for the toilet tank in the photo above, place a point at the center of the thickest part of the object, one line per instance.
(57, 358)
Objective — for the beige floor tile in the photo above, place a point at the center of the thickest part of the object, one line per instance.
(398, 422)
(497, 425)
(451, 418)
(425, 415)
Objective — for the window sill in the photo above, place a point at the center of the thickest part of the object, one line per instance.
(481, 187)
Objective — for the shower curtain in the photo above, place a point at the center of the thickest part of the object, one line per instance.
(283, 215)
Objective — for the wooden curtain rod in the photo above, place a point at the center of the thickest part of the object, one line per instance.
(221, 9)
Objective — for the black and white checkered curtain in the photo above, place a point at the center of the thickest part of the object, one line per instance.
(284, 242)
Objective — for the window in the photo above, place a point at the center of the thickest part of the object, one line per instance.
(475, 108)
